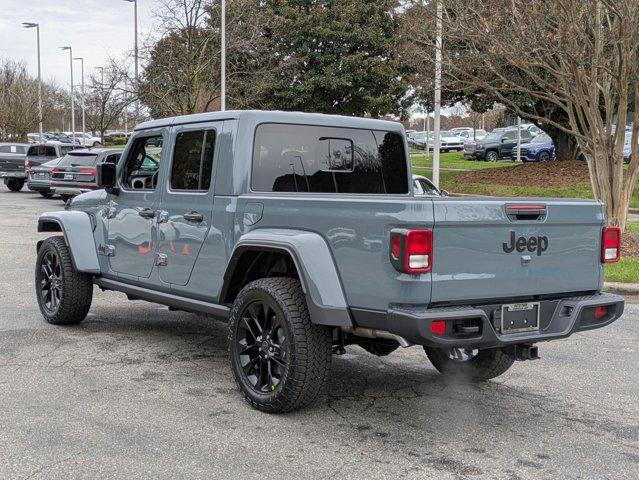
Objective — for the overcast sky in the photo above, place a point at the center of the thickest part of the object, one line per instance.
(96, 29)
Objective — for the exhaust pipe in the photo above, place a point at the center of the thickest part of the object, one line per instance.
(372, 333)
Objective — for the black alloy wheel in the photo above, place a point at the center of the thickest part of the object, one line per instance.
(262, 346)
(51, 284)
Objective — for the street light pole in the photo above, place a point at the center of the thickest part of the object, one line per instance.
(72, 101)
(37, 27)
(84, 134)
(135, 52)
(438, 93)
(223, 59)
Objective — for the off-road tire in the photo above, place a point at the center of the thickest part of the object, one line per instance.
(488, 363)
(15, 185)
(309, 346)
(76, 288)
(45, 194)
(492, 156)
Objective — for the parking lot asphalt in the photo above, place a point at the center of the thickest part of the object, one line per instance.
(138, 391)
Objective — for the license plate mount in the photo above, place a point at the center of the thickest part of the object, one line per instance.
(68, 176)
(520, 317)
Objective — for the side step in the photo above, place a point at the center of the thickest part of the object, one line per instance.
(181, 303)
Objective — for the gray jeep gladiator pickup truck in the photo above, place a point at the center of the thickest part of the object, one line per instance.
(302, 231)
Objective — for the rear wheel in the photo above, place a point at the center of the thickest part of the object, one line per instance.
(15, 184)
(66, 198)
(279, 358)
(64, 294)
(46, 194)
(492, 156)
(471, 365)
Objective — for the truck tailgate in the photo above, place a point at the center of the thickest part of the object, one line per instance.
(487, 248)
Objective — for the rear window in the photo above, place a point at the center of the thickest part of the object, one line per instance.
(78, 161)
(316, 159)
(41, 151)
(67, 148)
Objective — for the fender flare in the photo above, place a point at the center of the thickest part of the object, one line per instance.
(78, 235)
(314, 262)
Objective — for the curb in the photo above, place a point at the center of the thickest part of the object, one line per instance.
(621, 288)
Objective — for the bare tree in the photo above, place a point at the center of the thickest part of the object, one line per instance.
(18, 100)
(107, 97)
(580, 57)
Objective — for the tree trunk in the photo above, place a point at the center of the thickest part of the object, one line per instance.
(566, 147)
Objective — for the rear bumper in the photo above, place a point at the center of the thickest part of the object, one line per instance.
(14, 174)
(39, 185)
(558, 319)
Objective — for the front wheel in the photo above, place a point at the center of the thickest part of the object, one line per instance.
(64, 294)
(492, 156)
(544, 157)
(279, 358)
(15, 184)
(471, 365)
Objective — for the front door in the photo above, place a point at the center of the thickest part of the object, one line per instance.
(132, 231)
(184, 218)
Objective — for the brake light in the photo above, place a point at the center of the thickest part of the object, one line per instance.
(411, 251)
(27, 164)
(600, 312)
(55, 169)
(89, 171)
(611, 245)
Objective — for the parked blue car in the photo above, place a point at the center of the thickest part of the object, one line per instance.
(540, 149)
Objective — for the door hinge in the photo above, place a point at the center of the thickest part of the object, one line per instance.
(110, 210)
(161, 259)
(162, 216)
(108, 250)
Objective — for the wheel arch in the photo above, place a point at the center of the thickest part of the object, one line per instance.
(305, 255)
(77, 230)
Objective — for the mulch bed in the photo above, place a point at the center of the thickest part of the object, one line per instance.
(630, 245)
(551, 174)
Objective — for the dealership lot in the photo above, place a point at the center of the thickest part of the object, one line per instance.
(139, 391)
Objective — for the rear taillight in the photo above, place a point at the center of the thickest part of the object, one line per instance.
(54, 170)
(411, 251)
(611, 245)
(27, 164)
(600, 312)
(88, 171)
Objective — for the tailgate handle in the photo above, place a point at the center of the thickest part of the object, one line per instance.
(526, 212)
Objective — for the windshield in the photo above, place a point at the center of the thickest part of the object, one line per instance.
(79, 160)
(493, 136)
(541, 139)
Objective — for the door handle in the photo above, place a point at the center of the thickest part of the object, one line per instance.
(147, 213)
(193, 217)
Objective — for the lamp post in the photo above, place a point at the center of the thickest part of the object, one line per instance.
(72, 101)
(135, 50)
(223, 59)
(84, 134)
(438, 93)
(37, 27)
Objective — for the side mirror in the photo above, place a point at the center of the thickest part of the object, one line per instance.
(444, 193)
(106, 177)
(504, 139)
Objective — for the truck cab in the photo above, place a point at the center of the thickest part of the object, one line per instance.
(306, 234)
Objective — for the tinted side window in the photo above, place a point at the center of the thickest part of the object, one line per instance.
(302, 158)
(193, 160)
(511, 135)
(142, 163)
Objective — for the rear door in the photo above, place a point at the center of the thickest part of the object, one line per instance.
(482, 252)
(187, 200)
